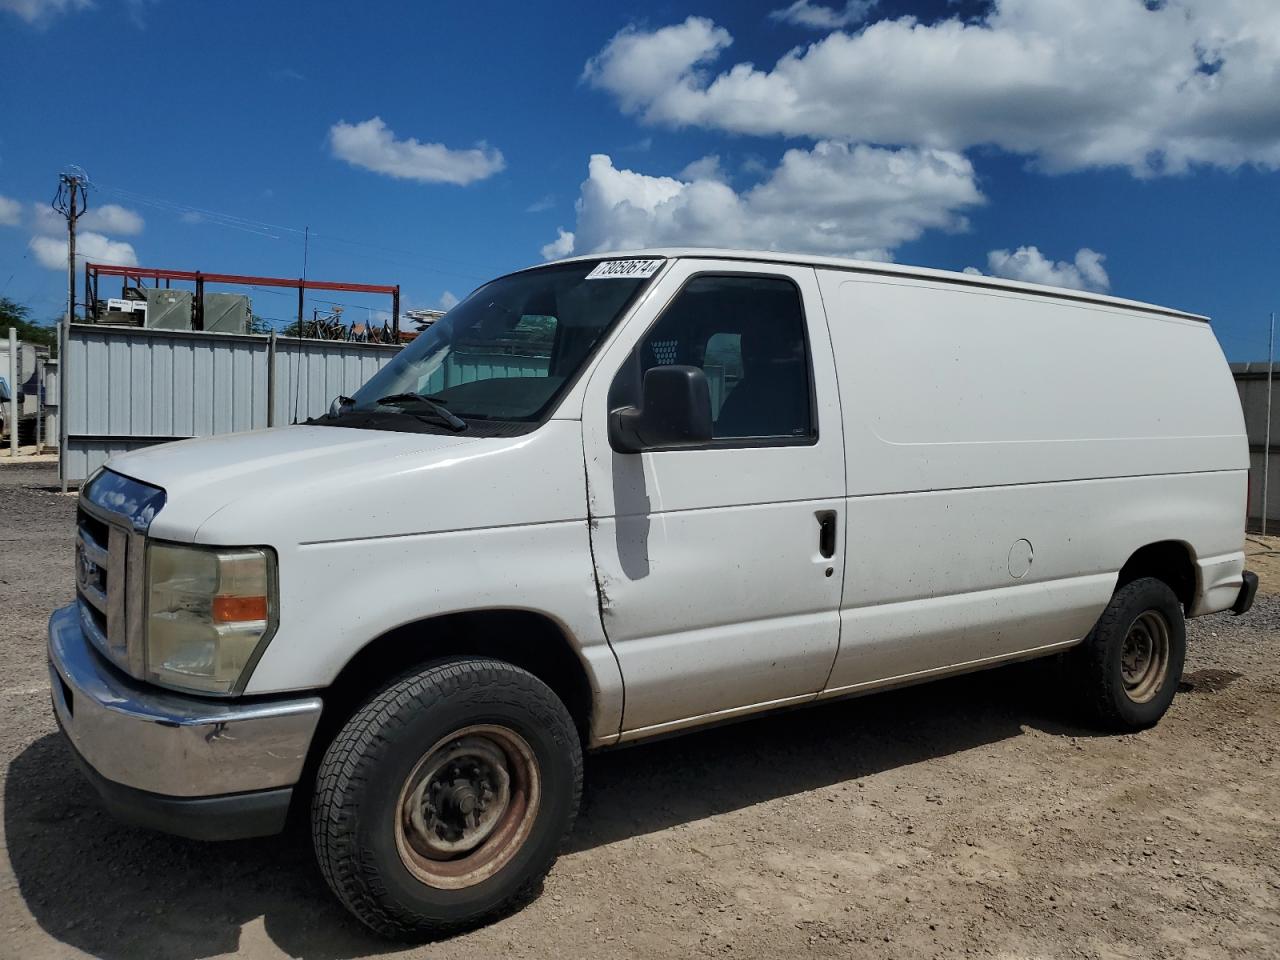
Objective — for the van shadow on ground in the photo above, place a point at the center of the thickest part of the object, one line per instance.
(118, 892)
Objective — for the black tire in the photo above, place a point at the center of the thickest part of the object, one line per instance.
(365, 842)
(1115, 693)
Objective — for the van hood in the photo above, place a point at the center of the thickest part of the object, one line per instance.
(311, 484)
(282, 470)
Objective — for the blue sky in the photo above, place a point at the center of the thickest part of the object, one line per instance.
(1135, 146)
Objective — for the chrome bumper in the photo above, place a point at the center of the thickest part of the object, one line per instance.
(166, 743)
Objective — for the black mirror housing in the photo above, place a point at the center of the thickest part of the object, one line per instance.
(674, 411)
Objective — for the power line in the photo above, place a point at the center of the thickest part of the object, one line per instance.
(275, 231)
(199, 214)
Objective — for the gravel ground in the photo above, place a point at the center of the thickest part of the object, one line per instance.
(965, 818)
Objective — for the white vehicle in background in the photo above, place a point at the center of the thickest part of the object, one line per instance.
(614, 497)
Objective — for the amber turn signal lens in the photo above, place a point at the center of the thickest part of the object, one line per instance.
(239, 609)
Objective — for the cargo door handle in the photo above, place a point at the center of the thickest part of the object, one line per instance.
(826, 533)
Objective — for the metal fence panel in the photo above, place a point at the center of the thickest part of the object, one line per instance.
(131, 387)
(1251, 384)
(49, 428)
(310, 373)
(464, 367)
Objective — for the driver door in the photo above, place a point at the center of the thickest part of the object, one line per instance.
(720, 568)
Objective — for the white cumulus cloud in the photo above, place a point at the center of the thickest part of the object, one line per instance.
(1085, 272)
(642, 68)
(112, 218)
(1074, 84)
(704, 168)
(561, 246)
(372, 145)
(10, 212)
(93, 247)
(41, 11)
(49, 243)
(44, 219)
(835, 199)
(804, 13)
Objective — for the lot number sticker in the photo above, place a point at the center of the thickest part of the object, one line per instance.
(624, 269)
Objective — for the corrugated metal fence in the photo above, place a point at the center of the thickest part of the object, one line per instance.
(130, 387)
(1251, 383)
(464, 367)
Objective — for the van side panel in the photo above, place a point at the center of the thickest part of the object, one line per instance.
(946, 387)
(930, 576)
(1007, 454)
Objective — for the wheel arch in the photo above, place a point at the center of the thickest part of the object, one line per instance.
(1171, 561)
(529, 639)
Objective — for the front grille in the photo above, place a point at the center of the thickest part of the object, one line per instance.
(111, 526)
(95, 528)
(101, 557)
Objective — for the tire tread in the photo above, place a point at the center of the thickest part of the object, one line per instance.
(1092, 657)
(362, 742)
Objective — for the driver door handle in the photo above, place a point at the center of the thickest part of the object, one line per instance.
(826, 533)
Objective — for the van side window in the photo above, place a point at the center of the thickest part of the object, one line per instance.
(748, 336)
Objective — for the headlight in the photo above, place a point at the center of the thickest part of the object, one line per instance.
(209, 612)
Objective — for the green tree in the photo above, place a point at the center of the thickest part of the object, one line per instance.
(14, 314)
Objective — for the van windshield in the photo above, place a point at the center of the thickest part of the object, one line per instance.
(505, 353)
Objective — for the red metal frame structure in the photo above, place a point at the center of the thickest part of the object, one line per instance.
(92, 271)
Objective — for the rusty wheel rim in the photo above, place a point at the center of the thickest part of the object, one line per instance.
(467, 806)
(1144, 656)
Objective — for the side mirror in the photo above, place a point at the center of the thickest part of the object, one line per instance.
(340, 406)
(674, 411)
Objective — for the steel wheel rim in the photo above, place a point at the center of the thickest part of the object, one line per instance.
(467, 806)
(1144, 656)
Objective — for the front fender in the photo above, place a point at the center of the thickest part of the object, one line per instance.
(336, 597)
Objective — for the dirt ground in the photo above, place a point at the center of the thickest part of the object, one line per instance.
(1264, 559)
(965, 818)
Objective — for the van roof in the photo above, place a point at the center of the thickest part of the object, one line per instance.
(889, 269)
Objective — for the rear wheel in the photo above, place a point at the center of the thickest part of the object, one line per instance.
(443, 801)
(1130, 663)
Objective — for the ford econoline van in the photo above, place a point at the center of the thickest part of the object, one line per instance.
(619, 496)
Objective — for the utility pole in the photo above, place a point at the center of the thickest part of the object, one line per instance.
(71, 201)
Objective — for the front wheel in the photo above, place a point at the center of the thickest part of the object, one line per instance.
(444, 800)
(1129, 665)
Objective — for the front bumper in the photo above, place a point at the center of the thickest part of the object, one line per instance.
(189, 765)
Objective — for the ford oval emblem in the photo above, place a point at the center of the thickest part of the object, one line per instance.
(86, 569)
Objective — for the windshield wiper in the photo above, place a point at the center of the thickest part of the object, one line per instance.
(451, 420)
(406, 397)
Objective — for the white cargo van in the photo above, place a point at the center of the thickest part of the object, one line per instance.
(615, 497)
